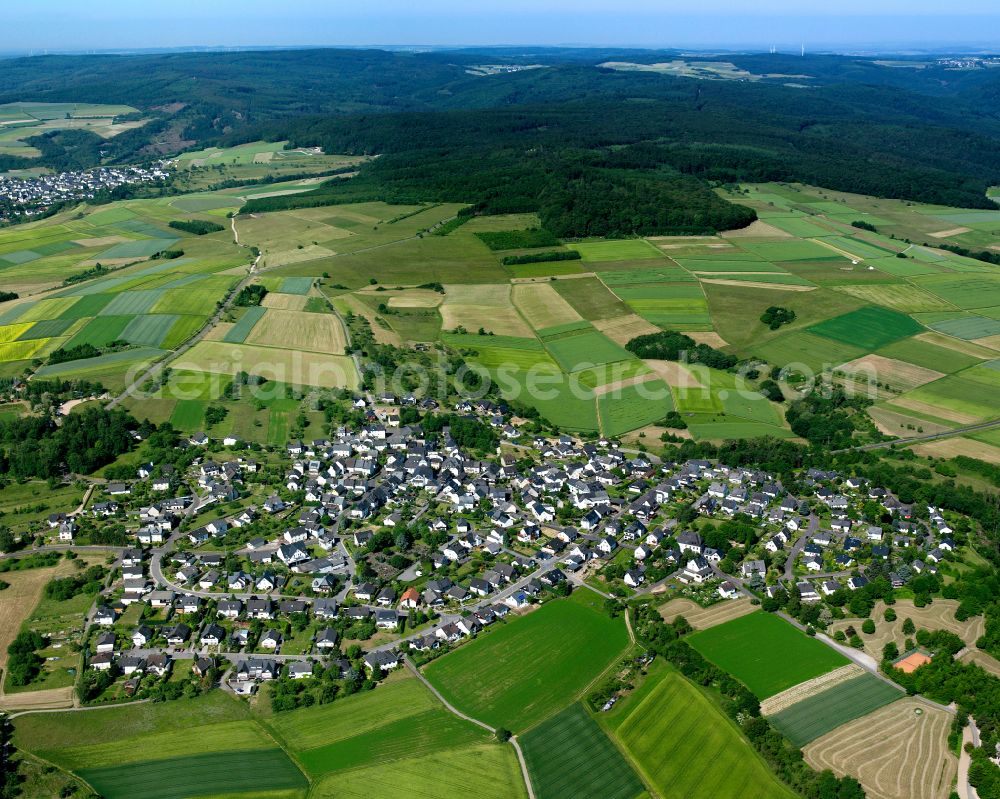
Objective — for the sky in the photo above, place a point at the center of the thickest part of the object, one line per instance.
(41, 25)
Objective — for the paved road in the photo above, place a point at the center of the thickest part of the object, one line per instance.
(798, 546)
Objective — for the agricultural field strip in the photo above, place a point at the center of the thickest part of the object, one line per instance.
(804, 690)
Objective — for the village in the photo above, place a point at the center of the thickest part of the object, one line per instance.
(384, 542)
(33, 195)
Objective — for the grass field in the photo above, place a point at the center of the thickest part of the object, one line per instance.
(299, 331)
(486, 771)
(590, 298)
(686, 747)
(522, 672)
(583, 349)
(817, 715)
(765, 653)
(632, 407)
(231, 773)
(570, 757)
(869, 328)
(621, 250)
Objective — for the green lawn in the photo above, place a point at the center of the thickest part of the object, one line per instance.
(686, 747)
(814, 717)
(765, 653)
(570, 757)
(521, 672)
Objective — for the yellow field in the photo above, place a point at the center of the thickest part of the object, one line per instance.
(312, 332)
(18, 601)
(893, 423)
(10, 333)
(21, 350)
(542, 305)
(277, 365)
(895, 752)
(675, 374)
(951, 447)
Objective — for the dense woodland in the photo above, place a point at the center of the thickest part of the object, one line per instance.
(594, 151)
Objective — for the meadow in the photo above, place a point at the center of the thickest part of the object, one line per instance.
(570, 757)
(523, 671)
(765, 653)
(686, 747)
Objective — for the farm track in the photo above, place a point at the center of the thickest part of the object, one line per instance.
(456, 712)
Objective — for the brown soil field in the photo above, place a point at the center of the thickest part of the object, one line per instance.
(622, 329)
(312, 332)
(620, 384)
(898, 374)
(542, 305)
(804, 690)
(895, 752)
(702, 618)
(939, 615)
(285, 302)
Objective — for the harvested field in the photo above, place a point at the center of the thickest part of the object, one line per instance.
(984, 661)
(965, 347)
(894, 423)
(712, 339)
(542, 305)
(415, 298)
(278, 365)
(623, 329)
(939, 615)
(895, 752)
(299, 331)
(500, 321)
(943, 234)
(899, 374)
(939, 411)
(285, 302)
(18, 601)
(760, 229)
(757, 284)
(702, 618)
(48, 699)
(951, 447)
(675, 374)
(804, 690)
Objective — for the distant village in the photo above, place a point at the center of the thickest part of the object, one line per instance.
(34, 195)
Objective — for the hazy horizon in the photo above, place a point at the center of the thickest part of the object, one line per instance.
(66, 25)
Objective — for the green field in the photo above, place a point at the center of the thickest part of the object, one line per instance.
(967, 327)
(765, 653)
(621, 250)
(590, 298)
(632, 407)
(239, 332)
(817, 715)
(100, 331)
(686, 747)
(869, 328)
(149, 330)
(230, 773)
(585, 349)
(486, 771)
(570, 757)
(296, 285)
(521, 672)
